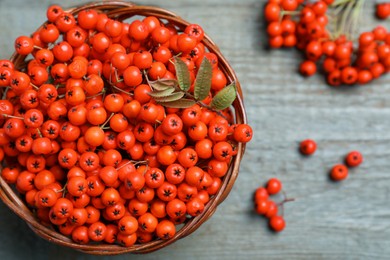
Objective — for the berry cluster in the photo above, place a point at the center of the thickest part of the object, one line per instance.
(266, 207)
(95, 132)
(341, 61)
(383, 10)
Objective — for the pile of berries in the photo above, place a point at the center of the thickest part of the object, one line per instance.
(89, 149)
(383, 10)
(268, 208)
(337, 56)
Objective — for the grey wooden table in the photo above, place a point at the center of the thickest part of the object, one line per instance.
(348, 220)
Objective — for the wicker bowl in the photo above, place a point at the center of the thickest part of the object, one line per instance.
(121, 11)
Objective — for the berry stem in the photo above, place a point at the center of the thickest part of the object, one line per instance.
(345, 17)
(284, 12)
(340, 2)
(356, 15)
(11, 116)
(108, 119)
(133, 162)
(64, 189)
(285, 199)
(98, 94)
(140, 162)
(59, 86)
(116, 76)
(121, 90)
(34, 86)
(5, 93)
(39, 132)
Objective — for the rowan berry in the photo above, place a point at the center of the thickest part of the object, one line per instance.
(308, 68)
(277, 223)
(308, 147)
(354, 158)
(274, 186)
(262, 206)
(339, 172)
(383, 10)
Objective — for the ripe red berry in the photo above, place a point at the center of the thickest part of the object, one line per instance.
(308, 147)
(383, 10)
(262, 207)
(274, 185)
(277, 223)
(261, 193)
(339, 172)
(308, 68)
(272, 209)
(354, 159)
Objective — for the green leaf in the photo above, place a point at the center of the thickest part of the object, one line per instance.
(182, 103)
(182, 74)
(203, 80)
(224, 98)
(163, 84)
(172, 97)
(162, 93)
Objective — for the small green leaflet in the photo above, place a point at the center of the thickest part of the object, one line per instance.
(163, 84)
(172, 97)
(182, 74)
(182, 103)
(203, 80)
(161, 93)
(224, 98)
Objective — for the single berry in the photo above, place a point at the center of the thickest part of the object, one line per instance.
(354, 159)
(339, 172)
(308, 68)
(261, 193)
(272, 209)
(262, 207)
(277, 223)
(308, 147)
(274, 186)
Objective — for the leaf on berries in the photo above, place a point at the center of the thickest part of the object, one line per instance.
(172, 97)
(182, 103)
(162, 93)
(224, 98)
(182, 74)
(203, 80)
(163, 84)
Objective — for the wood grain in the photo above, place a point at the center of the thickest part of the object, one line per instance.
(349, 220)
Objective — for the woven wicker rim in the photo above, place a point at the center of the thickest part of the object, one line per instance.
(120, 11)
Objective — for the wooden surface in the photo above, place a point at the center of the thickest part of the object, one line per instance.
(348, 220)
